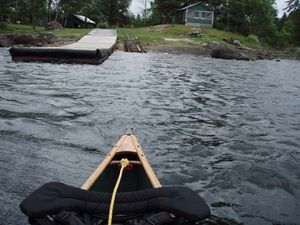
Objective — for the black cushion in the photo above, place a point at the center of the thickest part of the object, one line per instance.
(55, 197)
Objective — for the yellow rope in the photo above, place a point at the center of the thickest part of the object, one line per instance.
(124, 163)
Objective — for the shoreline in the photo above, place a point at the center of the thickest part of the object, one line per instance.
(206, 51)
(50, 40)
(34, 40)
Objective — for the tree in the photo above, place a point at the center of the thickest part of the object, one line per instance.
(295, 17)
(8, 8)
(294, 8)
(68, 7)
(293, 5)
(114, 11)
(281, 21)
(166, 9)
(247, 17)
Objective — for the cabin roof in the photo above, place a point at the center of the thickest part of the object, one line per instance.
(84, 19)
(192, 5)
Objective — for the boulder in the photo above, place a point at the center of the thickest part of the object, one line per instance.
(264, 55)
(229, 53)
(53, 25)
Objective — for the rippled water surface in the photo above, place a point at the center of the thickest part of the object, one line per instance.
(228, 129)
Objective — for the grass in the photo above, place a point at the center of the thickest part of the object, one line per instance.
(218, 35)
(21, 29)
(156, 35)
(28, 29)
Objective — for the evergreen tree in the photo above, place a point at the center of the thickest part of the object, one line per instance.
(114, 11)
(293, 5)
(166, 9)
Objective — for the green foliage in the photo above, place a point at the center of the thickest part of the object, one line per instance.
(245, 17)
(3, 26)
(137, 21)
(114, 11)
(71, 32)
(253, 38)
(295, 18)
(21, 29)
(166, 9)
(248, 17)
(285, 39)
(288, 34)
(38, 12)
(156, 35)
(102, 25)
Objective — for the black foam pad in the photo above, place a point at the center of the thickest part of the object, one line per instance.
(55, 197)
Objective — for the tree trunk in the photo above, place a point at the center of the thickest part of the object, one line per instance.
(33, 21)
(49, 10)
(66, 19)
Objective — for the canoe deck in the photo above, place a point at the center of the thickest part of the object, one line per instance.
(141, 176)
(93, 48)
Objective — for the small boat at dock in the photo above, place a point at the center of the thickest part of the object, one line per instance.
(140, 199)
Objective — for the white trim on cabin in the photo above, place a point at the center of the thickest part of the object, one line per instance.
(192, 5)
(201, 14)
(198, 25)
(186, 16)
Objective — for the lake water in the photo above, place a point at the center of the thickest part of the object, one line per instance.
(228, 129)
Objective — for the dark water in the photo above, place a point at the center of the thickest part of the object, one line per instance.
(228, 129)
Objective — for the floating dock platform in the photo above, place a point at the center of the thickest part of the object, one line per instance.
(93, 48)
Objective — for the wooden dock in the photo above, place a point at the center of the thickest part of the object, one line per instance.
(132, 45)
(93, 48)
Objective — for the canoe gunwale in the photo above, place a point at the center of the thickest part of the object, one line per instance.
(127, 145)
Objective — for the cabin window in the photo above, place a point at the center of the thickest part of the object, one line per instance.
(206, 15)
(196, 14)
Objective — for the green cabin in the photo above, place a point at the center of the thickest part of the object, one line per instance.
(196, 14)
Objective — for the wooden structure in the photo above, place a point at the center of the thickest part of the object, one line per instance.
(93, 48)
(132, 45)
(140, 176)
(196, 14)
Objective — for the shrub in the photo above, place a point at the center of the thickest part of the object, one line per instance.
(103, 25)
(254, 39)
(3, 26)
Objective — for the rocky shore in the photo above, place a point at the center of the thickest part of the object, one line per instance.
(222, 52)
(216, 50)
(35, 40)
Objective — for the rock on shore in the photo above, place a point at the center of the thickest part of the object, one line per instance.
(34, 40)
(230, 53)
(39, 39)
